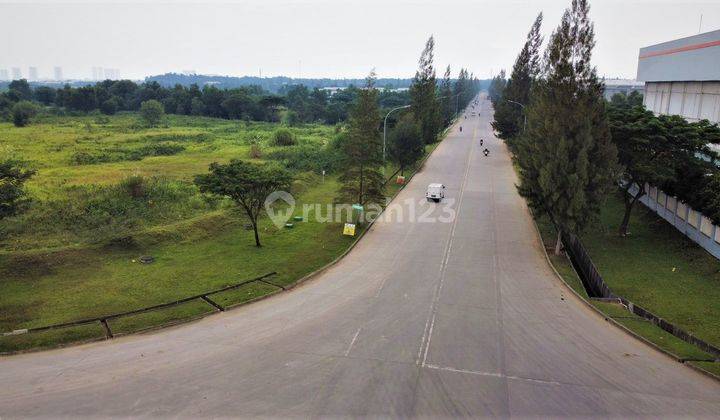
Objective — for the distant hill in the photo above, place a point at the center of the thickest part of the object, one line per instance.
(272, 84)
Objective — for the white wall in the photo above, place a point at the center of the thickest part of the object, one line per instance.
(693, 100)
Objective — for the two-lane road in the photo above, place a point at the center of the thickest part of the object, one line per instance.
(463, 318)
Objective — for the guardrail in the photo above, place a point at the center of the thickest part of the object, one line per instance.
(103, 320)
(596, 288)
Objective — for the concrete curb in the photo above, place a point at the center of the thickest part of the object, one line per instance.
(609, 319)
(291, 286)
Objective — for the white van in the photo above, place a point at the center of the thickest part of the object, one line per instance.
(435, 192)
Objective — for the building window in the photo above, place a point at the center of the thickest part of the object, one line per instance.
(693, 218)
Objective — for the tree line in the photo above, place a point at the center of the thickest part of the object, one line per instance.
(429, 108)
(294, 103)
(573, 147)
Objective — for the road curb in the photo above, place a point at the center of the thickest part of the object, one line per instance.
(609, 319)
(297, 283)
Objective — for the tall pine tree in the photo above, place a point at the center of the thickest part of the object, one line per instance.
(509, 111)
(447, 104)
(566, 158)
(361, 179)
(422, 95)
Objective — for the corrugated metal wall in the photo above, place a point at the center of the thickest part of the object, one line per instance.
(693, 100)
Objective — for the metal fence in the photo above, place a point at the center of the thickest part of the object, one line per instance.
(596, 288)
(591, 278)
(103, 320)
(687, 220)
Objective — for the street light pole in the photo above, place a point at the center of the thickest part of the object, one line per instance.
(524, 115)
(385, 127)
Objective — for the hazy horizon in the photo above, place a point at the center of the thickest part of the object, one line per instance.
(319, 38)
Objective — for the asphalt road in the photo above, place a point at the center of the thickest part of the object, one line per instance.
(432, 319)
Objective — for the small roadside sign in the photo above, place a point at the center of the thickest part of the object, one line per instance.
(349, 229)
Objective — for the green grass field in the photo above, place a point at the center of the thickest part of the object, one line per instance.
(55, 270)
(74, 253)
(640, 268)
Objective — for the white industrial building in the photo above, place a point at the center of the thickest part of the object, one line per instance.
(682, 77)
(626, 86)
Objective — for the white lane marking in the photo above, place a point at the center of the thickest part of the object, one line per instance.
(430, 322)
(347, 352)
(492, 374)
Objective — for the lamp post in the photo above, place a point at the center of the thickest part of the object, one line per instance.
(524, 115)
(385, 127)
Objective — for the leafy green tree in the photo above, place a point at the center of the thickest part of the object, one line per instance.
(13, 175)
(21, 88)
(406, 145)
(361, 178)
(23, 112)
(247, 184)
(45, 95)
(645, 153)
(152, 112)
(635, 98)
(694, 162)
(197, 107)
(509, 110)
(567, 160)
(82, 99)
(238, 105)
(110, 106)
(422, 94)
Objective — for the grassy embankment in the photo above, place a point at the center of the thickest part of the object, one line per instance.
(657, 268)
(73, 255)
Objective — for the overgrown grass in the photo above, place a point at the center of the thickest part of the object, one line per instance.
(74, 254)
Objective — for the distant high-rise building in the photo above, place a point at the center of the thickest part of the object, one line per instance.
(4, 75)
(57, 72)
(112, 74)
(32, 73)
(16, 73)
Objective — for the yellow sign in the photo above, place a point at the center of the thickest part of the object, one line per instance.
(349, 229)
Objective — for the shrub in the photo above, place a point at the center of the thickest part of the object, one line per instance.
(134, 185)
(152, 112)
(291, 118)
(23, 112)
(255, 151)
(283, 137)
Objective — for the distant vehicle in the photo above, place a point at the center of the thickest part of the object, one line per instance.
(435, 192)
(474, 113)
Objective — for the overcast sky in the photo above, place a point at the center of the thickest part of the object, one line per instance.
(320, 38)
